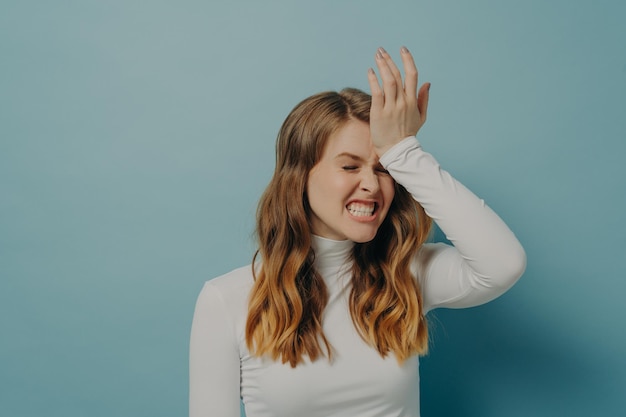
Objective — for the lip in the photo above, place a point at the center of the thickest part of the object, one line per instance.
(364, 219)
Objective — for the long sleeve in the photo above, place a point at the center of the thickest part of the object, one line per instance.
(214, 369)
(486, 260)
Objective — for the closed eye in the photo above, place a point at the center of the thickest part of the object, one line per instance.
(349, 168)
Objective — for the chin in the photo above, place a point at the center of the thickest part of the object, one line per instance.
(362, 237)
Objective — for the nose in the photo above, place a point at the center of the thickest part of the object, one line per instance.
(369, 181)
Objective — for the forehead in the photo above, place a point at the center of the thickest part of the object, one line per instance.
(351, 138)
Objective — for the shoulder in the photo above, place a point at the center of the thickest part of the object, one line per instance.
(230, 291)
(219, 318)
(232, 287)
(233, 282)
(222, 306)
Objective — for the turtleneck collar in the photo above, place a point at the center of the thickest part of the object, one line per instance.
(331, 253)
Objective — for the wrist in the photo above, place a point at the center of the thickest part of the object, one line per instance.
(396, 151)
(381, 150)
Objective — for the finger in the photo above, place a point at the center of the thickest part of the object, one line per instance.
(377, 91)
(393, 68)
(410, 74)
(389, 82)
(422, 100)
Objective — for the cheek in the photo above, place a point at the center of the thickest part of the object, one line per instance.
(312, 192)
(331, 185)
(322, 189)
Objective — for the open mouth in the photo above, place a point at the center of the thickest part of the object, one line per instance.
(362, 209)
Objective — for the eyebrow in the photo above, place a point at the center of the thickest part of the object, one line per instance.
(349, 155)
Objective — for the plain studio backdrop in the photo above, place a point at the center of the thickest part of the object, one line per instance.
(137, 136)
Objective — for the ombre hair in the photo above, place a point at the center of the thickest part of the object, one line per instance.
(289, 296)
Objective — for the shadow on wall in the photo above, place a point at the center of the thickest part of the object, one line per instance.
(497, 360)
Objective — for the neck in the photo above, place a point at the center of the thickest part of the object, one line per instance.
(331, 253)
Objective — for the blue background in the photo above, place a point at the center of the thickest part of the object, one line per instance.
(137, 136)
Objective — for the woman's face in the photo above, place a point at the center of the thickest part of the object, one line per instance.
(348, 190)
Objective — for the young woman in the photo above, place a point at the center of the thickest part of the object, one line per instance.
(329, 318)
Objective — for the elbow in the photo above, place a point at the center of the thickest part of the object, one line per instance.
(513, 266)
(519, 262)
(505, 271)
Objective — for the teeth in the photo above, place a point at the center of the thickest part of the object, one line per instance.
(358, 209)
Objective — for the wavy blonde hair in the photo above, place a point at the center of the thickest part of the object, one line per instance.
(289, 296)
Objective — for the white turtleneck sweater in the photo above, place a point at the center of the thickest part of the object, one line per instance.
(484, 262)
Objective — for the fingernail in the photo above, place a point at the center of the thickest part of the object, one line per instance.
(370, 71)
(381, 50)
(379, 55)
(428, 88)
(404, 50)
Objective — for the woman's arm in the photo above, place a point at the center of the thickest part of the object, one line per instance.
(214, 370)
(486, 258)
